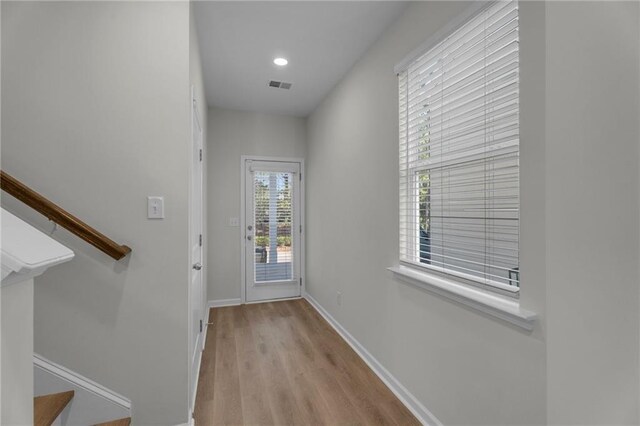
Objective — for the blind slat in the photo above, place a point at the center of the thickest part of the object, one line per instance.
(459, 151)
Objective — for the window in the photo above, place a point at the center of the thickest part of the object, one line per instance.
(459, 152)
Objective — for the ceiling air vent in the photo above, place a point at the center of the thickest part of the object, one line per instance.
(280, 85)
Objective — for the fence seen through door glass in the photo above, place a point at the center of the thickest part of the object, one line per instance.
(273, 213)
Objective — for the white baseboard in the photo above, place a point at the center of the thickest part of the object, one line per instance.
(406, 397)
(92, 402)
(223, 302)
(284, 299)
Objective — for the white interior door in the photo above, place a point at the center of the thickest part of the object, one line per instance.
(196, 290)
(272, 230)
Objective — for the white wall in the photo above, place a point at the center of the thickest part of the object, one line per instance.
(231, 135)
(592, 212)
(96, 116)
(579, 164)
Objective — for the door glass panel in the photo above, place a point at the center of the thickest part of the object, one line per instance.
(273, 213)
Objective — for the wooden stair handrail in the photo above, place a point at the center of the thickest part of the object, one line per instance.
(62, 217)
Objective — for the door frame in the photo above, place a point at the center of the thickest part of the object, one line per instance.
(193, 381)
(243, 222)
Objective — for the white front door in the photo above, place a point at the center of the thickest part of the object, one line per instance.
(272, 230)
(196, 290)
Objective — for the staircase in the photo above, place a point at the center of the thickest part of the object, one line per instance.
(47, 408)
(73, 399)
(61, 396)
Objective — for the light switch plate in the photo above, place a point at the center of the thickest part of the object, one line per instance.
(234, 221)
(155, 207)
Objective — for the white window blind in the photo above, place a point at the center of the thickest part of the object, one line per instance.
(459, 152)
(273, 218)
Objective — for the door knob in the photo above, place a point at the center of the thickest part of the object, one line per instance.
(197, 266)
(250, 227)
(249, 237)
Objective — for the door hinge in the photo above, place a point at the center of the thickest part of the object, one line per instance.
(201, 155)
(300, 281)
(301, 229)
(200, 240)
(200, 326)
(300, 176)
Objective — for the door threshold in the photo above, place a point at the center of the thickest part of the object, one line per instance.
(272, 300)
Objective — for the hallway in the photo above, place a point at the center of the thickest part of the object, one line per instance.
(282, 363)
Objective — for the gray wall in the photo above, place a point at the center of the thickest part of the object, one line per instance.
(464, 367)
(16, 366)
(96, 116)
(592, 212)
(579, 163)
(231, 135)
(195, 70)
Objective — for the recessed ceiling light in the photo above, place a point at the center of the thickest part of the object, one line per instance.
(280, 62)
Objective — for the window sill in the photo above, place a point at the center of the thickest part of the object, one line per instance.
(495, 305)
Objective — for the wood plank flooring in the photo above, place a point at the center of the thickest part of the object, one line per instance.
(282, 363)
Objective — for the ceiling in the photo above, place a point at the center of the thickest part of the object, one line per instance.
(321, 39)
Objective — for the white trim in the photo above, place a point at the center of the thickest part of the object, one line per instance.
(81, 381)
(284, 299)
(243, 220)
(407, 398)
(205, 334)
(441, 34)
(507, 290)
(243, 226)
(222, 302)
(26, 251)
(194, 386)
(504, 308)
(195, 115)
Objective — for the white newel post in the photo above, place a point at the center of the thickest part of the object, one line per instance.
(26, 253)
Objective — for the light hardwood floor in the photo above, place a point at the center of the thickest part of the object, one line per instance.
(282, 363)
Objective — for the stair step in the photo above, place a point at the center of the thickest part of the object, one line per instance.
(47, 408)
(120, 422)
